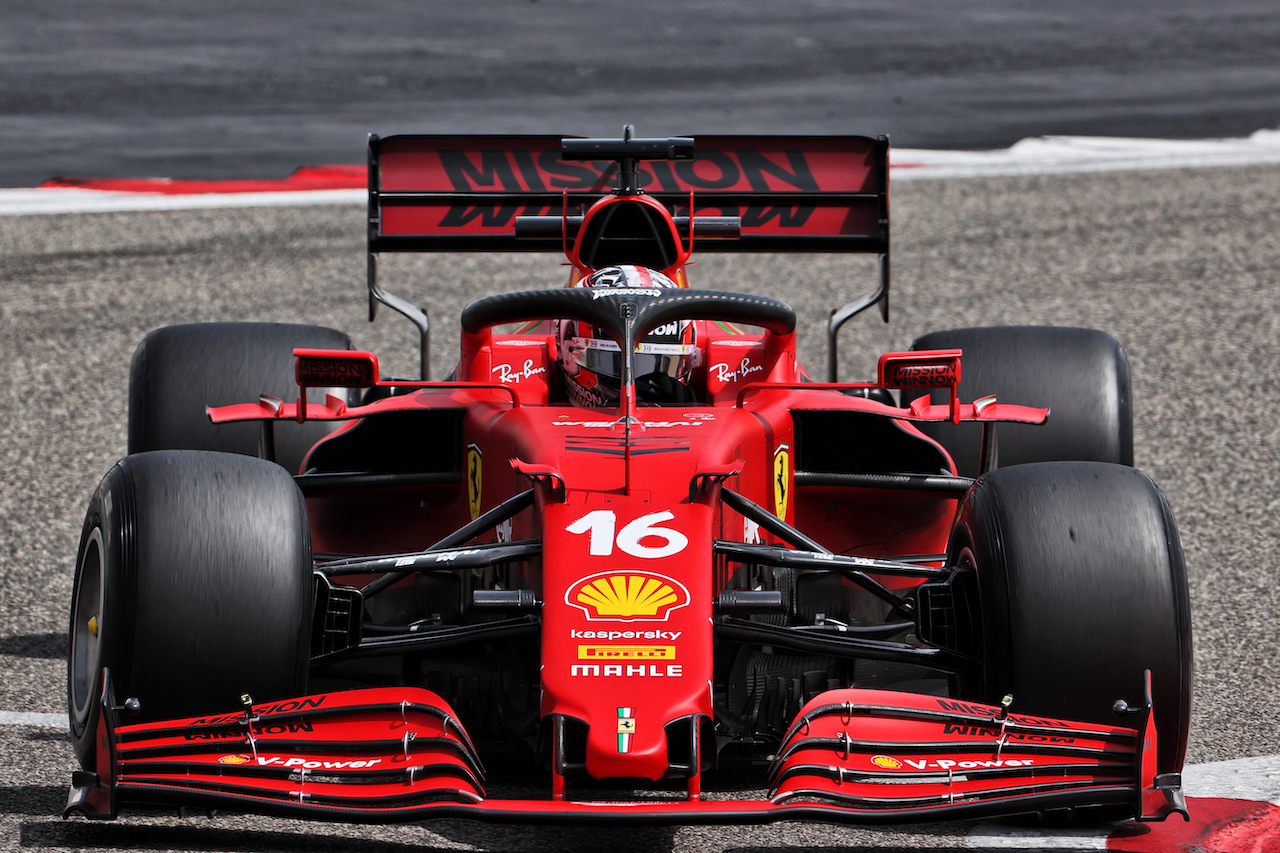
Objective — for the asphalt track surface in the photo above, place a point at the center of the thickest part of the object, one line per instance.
(239, 89)
(1181, 266)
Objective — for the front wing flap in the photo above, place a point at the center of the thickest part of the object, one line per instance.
(399, 754)
(888, 753)
(382, 750)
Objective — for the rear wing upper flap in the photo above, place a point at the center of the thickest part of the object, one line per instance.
(792, 193)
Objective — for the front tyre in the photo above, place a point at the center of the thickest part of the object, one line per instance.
(1082, 586)
(193, 586)
(1080, 375)
(177, 371)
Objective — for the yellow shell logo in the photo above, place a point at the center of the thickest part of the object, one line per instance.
(627, 596)
(886, 762)
(234, 759)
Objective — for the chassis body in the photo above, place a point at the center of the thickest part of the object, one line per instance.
(632, 597)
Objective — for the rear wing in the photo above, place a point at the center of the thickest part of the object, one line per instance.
(791, 193)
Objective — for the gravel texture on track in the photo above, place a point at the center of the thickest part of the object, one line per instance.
(1181, 266)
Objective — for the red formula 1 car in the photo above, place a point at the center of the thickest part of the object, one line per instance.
(628, 546)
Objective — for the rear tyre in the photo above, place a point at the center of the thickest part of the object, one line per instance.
(1082, 586)
(193, 586)
(179, 370)
(1080, 375)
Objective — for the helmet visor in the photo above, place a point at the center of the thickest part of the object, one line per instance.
(603, 357)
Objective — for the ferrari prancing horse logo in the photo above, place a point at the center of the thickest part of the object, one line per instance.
(781, 480)
(474, 473)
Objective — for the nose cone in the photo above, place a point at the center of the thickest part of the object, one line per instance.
(626, 644)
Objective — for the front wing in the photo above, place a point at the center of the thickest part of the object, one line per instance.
(385, 755)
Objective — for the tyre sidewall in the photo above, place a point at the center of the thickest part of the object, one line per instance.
(1083, 586)
(206, 576)
(109, 508)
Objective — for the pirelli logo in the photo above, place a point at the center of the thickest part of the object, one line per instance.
(626, 652)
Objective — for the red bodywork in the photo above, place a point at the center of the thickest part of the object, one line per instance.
(629, 513)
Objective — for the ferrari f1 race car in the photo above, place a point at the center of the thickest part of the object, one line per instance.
(629, 553)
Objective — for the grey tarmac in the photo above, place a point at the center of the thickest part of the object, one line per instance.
(1181, 266)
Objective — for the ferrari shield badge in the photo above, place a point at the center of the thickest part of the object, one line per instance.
(781, 480)
(474, 473)
(626, 728)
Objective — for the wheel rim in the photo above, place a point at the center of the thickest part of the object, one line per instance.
(86, 630)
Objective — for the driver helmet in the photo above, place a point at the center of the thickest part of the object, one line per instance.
(591, 362)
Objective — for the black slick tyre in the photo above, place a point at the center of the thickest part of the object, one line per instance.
(193, 586)
(1080, 375)
(178, 371)
(1082, 586)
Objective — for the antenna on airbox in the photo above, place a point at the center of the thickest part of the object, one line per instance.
(627, 152)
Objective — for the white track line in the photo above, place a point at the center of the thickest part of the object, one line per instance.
(1037, 156)
(999, 836)
(23, 718)
(1044, 155)
(1243, 779)
(1252, 779)
(26, 202)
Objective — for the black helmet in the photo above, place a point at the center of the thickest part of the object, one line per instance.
(591, 361)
